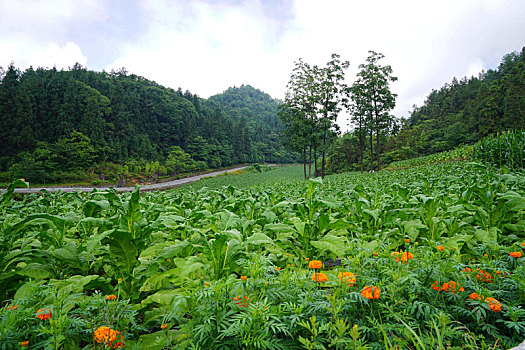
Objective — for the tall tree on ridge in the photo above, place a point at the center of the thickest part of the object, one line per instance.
(372, 95)
(315, 94)
(331, 90)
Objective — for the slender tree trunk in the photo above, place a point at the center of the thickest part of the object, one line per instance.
(377, 149)
(310, 163)
(371, 149)
(361, 146)
(304, 162)
(377, 135)
(315, 162)
(324, 151)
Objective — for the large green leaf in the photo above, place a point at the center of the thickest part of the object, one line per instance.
(259, 238)
(122, 250)
(331, 243)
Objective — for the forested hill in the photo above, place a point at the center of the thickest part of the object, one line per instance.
(76, 119)
(466, 110)
(257, 110)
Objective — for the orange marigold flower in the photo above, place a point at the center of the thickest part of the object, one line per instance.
(375, 253)
(13, 307)
(494, 305)
(206, 284)
(406, 256)
(440, 248)
(319, 277)
(436, 286)
(453, 286)
(395, 255)
(475, 296)
(241, 300)
(347, 277)
(111, 297)
(498, 272)
(467, 269)
(306, 259)
(371, 292)
(315, 264)
(484, 276)
(485, 255)
(407, 240)
(244, 278)
(163, 326)
(278, 268)
(44, 314)
(24, 344)
(516, 254)
(523, 244)
(108, 336)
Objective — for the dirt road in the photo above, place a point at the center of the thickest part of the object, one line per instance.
(153, 187)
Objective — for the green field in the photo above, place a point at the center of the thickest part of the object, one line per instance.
(225, 263)
(253, 179)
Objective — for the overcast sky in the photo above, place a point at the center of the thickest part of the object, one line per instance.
(206, 46)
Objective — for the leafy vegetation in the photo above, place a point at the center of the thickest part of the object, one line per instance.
(461, 112)
(82, 125)
(313, 101)
(229, 267)
(460, 153)
(507, 149)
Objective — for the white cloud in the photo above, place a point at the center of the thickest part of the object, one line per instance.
(35, 32)
(25, 54)
(207, 46)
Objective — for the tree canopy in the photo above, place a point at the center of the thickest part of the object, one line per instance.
(125, 117)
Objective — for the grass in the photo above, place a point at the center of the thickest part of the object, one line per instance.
(276, 175)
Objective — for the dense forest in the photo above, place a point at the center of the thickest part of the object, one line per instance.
(81, 125)
(461, 112)
(58, 125)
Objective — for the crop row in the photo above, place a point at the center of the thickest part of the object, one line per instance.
(230, 267)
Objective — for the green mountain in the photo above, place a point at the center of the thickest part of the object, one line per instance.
(464, 111)
(75, 120)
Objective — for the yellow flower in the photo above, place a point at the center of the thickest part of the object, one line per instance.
(407, 256)
(371, 292)
(494, 305)
(44, 314)
(315, 264)
(475, 296)
(319, 277)
(108, 336)
(347, 277)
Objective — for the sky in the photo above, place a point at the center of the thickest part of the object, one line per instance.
(206, 46)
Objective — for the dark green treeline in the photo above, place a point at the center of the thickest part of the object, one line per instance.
(70, 121)
(459, 113)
